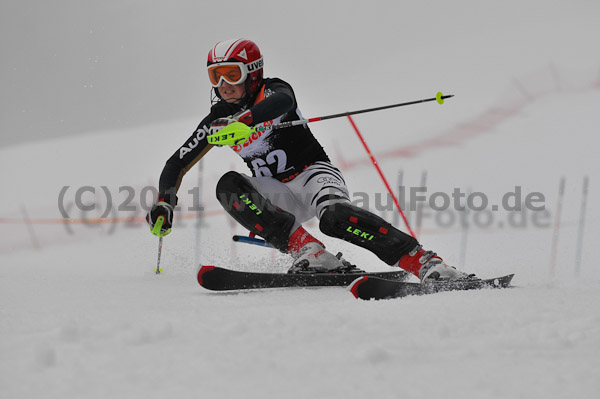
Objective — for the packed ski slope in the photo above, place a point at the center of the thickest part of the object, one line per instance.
(82, 315)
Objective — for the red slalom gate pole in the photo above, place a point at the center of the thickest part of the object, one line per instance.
(374, 161)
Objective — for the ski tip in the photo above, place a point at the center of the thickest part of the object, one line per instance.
(202, 271)
(509, 279)
(501, 282)
(353, 287)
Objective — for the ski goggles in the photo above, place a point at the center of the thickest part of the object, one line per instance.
(232, 72)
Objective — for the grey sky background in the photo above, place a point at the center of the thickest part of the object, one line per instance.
(73, 66)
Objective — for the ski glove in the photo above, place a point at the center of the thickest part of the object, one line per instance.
(160, 217)
(243, 116)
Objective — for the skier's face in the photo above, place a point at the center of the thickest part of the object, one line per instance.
(232, 93)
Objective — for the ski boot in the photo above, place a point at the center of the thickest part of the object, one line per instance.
(314, 258)
(310, 256)
(429, 267)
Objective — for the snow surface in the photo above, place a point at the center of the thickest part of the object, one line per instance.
(83, 316)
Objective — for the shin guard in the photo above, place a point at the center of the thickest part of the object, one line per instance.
(362, 228)
(253, 211)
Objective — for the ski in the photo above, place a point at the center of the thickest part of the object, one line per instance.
(222, 279)
(368, 287)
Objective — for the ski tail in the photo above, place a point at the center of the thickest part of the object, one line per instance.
(353, 288)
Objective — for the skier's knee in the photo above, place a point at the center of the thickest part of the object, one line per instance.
(232, 182)
(253, 211)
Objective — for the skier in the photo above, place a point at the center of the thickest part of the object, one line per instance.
(292, 180)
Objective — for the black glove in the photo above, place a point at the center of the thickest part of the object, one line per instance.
(163, 209)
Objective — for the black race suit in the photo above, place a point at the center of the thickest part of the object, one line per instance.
(280, 153)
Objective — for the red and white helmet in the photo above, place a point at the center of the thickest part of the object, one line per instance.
(236, 61)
